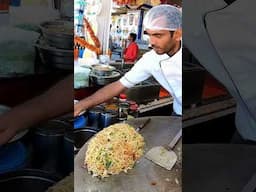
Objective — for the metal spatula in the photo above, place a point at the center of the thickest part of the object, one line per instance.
(143, 124)
(163, 155)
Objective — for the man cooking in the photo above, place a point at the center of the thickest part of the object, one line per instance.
(163, 62)
(163, 25)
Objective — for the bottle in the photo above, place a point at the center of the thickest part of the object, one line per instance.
(123, 108)
(122, 97)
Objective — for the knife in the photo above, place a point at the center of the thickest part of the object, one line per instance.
(142, 125)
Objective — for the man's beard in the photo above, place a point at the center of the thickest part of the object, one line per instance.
(161, 51)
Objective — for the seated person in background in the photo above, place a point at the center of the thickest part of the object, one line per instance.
(132, 50)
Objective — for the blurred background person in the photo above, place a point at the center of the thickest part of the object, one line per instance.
(132, 50)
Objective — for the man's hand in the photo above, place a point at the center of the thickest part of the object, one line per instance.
(8, 128)
(102, 95)
(38, 109)
(78, 109)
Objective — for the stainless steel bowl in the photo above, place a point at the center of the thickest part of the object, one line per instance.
(59, 33)
(103, 70)
(104, 80)
(56, 58)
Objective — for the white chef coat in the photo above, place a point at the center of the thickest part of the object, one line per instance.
(222, 38)
(165, 69)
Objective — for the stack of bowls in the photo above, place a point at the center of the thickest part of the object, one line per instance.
(56, 44)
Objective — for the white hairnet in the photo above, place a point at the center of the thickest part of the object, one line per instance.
(163, 17)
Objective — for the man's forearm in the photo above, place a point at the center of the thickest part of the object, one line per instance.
(103, 95)
(59, 99)
(56, 101)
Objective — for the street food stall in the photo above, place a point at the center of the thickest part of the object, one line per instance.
(37, 154)
(92, 51)
(94, 67)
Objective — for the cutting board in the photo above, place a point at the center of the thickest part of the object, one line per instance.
(145, 176)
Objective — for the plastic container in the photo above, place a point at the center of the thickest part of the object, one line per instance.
(81, 52)
(13, 157)
(94, 117)
(80, 122)
(108, 118)
(81, 77)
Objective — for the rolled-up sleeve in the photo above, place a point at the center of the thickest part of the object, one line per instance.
(139, 72)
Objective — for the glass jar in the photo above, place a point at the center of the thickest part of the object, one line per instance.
(123, 111)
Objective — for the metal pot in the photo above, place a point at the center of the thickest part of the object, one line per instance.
(28, 180)
(53, 57)
(68, 153)
(59, 33)
(103, 70)
(82, 135)
(48, 145)
(94, 116)
(104, 80)
(80, 121)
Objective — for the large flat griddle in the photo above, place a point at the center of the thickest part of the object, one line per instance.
(145, 176)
